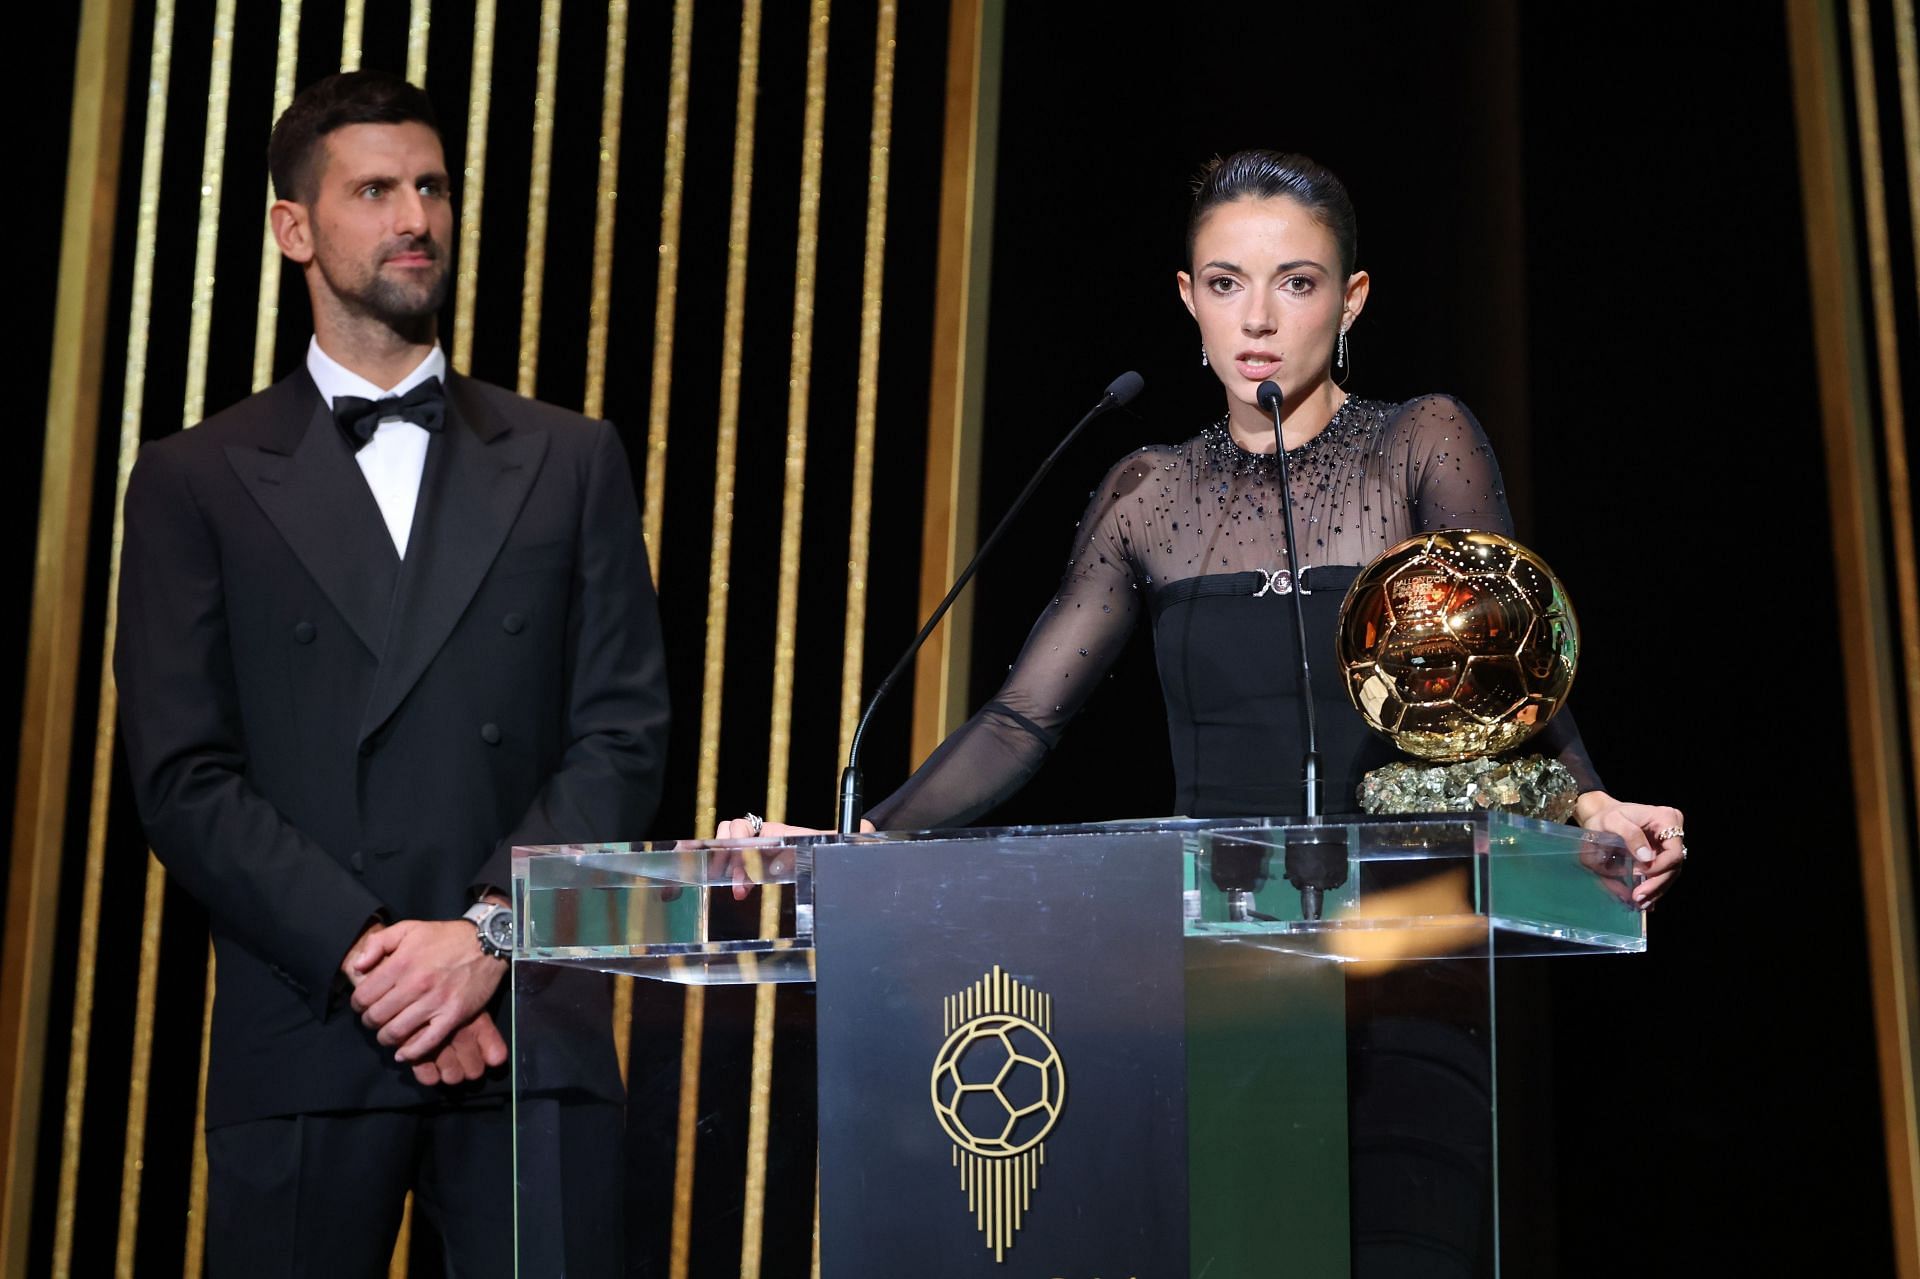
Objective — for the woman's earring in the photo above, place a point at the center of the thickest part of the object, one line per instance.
(1340, 357)
(1203, 355)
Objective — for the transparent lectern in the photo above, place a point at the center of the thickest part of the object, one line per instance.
(1114, 1050)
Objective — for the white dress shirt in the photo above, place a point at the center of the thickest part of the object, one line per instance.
(394, 458)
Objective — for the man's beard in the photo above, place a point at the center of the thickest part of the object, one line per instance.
(399, 304)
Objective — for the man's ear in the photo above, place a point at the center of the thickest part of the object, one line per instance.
(292, 230)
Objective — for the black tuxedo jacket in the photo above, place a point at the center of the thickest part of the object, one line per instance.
(321, 734)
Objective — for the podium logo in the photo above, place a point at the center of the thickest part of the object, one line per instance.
(998, 1085)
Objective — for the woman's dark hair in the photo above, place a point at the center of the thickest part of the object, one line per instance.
(1259, 175)
(353, 97)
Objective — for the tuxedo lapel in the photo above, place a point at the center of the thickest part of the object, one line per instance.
(477, 477)
(309, 487)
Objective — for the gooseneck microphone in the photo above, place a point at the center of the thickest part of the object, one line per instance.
(1120, 391)
(1316, 856)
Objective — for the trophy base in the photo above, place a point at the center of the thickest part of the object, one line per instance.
(1525, 785)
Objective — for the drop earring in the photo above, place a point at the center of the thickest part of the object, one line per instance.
(1203, 355)
(1340, 356)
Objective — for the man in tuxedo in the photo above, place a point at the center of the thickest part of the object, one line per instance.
(378, 624)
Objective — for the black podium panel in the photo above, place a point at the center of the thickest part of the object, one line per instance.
(1002, 1060)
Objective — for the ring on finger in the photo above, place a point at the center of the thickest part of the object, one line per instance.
(1670, 832)
(753, 825)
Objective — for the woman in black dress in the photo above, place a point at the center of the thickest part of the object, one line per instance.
(1192, 537)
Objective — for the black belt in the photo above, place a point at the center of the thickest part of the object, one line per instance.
(1314, 579)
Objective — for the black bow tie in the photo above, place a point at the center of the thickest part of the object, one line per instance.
(424, 406)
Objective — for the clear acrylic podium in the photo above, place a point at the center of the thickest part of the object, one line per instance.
(1116, 1049)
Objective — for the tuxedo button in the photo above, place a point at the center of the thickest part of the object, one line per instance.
(490, 734)
(513, 623)
(303, 632)
(358, 861)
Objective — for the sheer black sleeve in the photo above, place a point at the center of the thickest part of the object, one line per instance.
(1075, 641)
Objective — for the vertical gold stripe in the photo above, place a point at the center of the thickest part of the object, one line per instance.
(959, 361)
(693, 1025)
(719, 571)
(75, 378)
(1873, 195)
(623, 1024)
(1907, 61)
(759, 1115)
(606, 191)
(398, 1264)
(197, 1185)
(213, 166)
(605, 197)
(473, 186)
(799, 389)
(87, 947)
(999, 1209)
(1898, 899)
(779, 737)
(872, 278)
(212, 169)
(419, 22)
(666, 288)
(286, 53)
(541, 180)
(352, 35)
(1898, 483)
(990, 1201)
(1882, 796)
(133, 1158)
(655, 500)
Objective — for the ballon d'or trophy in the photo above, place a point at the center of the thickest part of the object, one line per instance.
(1460, 646)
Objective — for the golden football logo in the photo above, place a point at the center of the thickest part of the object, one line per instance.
(998, 1085)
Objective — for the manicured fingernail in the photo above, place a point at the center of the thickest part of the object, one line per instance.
(1644, 854)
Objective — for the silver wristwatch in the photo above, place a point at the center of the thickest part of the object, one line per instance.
(494, 923)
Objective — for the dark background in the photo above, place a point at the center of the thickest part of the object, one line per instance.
(1586, 223)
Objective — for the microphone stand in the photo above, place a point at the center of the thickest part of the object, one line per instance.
(1316, 856)
(1120, 391)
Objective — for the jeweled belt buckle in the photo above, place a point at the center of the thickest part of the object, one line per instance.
(1278, 582)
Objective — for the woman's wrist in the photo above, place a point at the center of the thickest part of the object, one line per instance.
(1589, 804)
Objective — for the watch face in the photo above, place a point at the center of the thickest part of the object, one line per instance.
(499, 929)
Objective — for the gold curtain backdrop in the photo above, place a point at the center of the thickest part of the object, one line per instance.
(676, 216)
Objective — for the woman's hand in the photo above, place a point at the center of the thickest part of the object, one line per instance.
(738, 865)
(1655, 836)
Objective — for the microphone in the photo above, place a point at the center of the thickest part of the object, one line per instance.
(1316, 856)
(1120, 391)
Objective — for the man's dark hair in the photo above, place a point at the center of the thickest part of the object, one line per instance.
(1255, 175)
(353, 97)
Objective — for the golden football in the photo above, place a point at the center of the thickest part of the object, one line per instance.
(1458, 644)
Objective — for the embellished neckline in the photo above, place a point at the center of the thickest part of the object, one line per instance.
(1220, 442)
